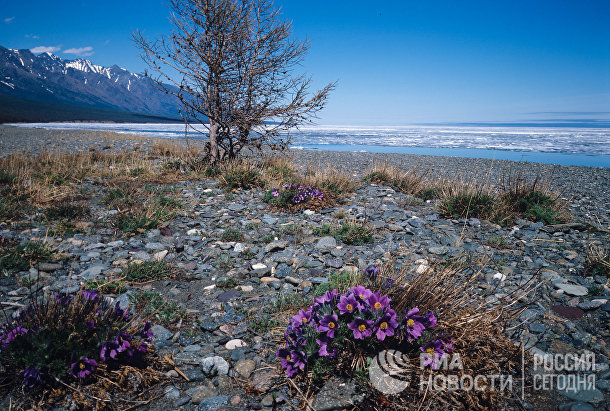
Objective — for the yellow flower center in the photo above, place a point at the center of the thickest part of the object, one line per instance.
(361, 297)
(410, 323)
(82, 366)
(377, 305)
(304, 320)
(287, 358)
(430, 351)
(362, 327)
(331, 325)
(349, 307)
(384, 326)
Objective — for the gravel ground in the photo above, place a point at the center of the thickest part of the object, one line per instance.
(586, 189)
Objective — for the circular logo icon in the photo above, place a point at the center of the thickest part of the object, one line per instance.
(389, 372)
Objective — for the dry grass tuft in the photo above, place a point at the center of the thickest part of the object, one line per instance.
(329, 178)
(476, 327)
(407, 181)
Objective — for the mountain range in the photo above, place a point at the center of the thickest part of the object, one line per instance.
(45, 87)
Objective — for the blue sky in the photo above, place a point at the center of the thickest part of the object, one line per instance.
(397, 62)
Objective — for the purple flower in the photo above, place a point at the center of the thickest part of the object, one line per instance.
(146, 332)
(301, 318)
(324, 351)
(10, 336)
(83, 367)
(329, 324)
(386, 325)
(329, 297)
(89, 295)
(31, 377)
(430, 319)
(63, 299)
(109, 350)
(118, 312)
(361, 328)
(348, 304)
(433, 352)
(377, 302)
(389, 282)
(292, 361)
(90, 325)
(122, 342)
(372, 272)
(361, 292)
(413, 325)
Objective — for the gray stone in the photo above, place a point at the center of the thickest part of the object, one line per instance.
(282, 271)
(245, 367)
(275, 246)
(572, 289)
(201, 393)
(142, 256)
(334, 263)
(161, 333)
(337, 394)
(93, 272)
(326, 243)
(172, 393)
(581, 406)
(212, 403)
(215, 366)
(123, 301)
(587, 395)
(438, 250)
(262, 380)
(228, 295)
(156, 246)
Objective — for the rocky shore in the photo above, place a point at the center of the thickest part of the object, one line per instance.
(229, 285)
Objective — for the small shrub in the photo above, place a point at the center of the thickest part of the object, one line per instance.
(136, 172)
(131, 223)
(287, 301)
(117, 197)
(429, 193)
(323, 230)
(226, 283)
(12, 206)
(68, 338)
(267, 238)
(469, 205)
(168, 202)
(153, 305)
(353, 233)
(338, 281)
(596, 290)
(225, 262)
(264, 324)
(598, 261)
(496, 241)
(7, 178)
(25, 256)
(232, 234)
(107, 287)
(67, 211)
(148, 271)
(240, 175)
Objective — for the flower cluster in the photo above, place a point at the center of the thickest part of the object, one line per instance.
(293, 194)
(359, 315)
(70, 336)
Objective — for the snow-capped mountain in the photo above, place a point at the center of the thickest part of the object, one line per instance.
(48, 78)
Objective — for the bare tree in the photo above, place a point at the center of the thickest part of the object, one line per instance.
(231, 64)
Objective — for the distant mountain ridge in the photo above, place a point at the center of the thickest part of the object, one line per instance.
(50, 79)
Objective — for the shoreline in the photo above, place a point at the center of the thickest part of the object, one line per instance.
(587, 189)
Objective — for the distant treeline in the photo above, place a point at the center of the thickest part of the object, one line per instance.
(18, 110)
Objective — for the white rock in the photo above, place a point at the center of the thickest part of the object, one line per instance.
(499, 276)
(239, 248)
(236, 343)
(309, 212)
(245, 288)
(194, 231)
(160, 255)
(258, 266)
(422, 268)
(209, 287)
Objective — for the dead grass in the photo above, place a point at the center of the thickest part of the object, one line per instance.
(477, 329)
(407, 181)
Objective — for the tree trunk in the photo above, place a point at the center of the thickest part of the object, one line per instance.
(213, 142)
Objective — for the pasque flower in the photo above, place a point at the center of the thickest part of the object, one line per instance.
(433, 352)
(83, 367)
(413, 324)
(348, 304)
(385, 325)
(329, 324)
(31, 377)
(378, 302)
(361, 328)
